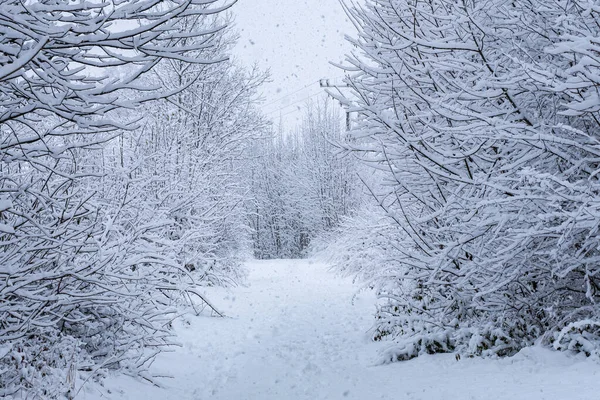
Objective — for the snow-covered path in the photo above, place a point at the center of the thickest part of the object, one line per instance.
(298, 332)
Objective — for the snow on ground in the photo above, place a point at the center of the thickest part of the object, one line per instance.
(296, 331)
(296, 40)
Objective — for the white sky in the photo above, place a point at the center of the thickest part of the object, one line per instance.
(296, 40)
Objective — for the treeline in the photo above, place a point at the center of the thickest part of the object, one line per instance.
(302, 184)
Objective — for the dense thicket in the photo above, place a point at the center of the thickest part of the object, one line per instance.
(301, 184)
(483, 117)
(114, 208)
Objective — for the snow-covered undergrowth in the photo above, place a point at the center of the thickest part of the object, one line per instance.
(297, 331)
(107, 307)
(484, 125)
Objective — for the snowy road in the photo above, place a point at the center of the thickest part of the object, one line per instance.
(295, 333)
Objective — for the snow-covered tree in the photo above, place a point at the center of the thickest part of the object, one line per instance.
(301, 184)
(194, 146)
(484, 117)
(84, 284)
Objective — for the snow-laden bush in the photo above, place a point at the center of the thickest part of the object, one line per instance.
(93, 250)
(362, 246)
(485, 117)
(581, 336)
(45, 363)
(103, 279)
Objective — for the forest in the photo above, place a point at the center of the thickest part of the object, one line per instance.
(139, 174)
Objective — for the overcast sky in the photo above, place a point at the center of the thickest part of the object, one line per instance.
(296, 40)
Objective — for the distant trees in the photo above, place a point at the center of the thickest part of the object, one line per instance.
(301, 185)
(484, 118)
(109, 220)
(194, 147)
